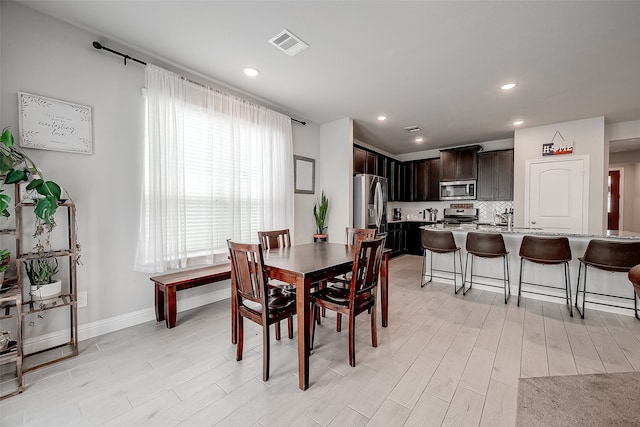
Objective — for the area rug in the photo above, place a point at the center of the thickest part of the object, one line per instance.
(580, 400)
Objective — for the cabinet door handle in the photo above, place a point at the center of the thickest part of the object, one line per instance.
(533, 222)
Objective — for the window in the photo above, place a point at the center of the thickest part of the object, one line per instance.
(216, 168)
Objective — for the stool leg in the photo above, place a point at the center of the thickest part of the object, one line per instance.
(567, 285)
(635, 303)
(584, 291)
(424, 268)
(506, 279)
(520, 281)
(455, 288)
(578, 290)
(466, 275)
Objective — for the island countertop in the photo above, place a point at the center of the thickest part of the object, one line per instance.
(527, 230)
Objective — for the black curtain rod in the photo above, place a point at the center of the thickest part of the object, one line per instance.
(99, 46)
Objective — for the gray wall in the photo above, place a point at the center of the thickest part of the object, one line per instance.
(44, 56)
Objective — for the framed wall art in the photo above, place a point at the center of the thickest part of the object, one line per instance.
(51, 124)
(304, 170)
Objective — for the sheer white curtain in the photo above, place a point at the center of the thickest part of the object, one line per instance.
(216, 167)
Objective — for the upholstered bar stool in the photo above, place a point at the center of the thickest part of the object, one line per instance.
(615, 257)
(546, 251)
(440, 242)
(634, 278)
(487, 245)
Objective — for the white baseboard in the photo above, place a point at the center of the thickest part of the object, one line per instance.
(105, 326)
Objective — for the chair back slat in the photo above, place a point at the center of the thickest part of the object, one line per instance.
(274, 239)
(248, 267)
(352, 235)
(366, 267)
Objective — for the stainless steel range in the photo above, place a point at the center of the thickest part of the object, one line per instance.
(460, 216)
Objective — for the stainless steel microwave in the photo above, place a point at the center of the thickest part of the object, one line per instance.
(458, 190)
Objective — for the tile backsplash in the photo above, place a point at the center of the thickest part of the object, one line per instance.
(413, 210)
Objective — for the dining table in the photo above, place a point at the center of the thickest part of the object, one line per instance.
(303, 266)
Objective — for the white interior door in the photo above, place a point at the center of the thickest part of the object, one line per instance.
(557, 194)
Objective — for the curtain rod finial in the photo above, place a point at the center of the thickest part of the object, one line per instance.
(97, 45)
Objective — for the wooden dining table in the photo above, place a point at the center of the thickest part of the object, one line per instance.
(302, 266)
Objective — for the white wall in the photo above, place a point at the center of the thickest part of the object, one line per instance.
(305, 143)
(588, 139)
(45, 56)
(336, 175)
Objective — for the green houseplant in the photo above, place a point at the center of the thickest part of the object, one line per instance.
(320, 214)
(16, 167)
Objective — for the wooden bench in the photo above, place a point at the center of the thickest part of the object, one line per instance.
(166, 286)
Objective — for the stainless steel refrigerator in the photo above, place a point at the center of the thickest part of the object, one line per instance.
(370, 202)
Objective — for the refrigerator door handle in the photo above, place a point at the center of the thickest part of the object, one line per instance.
(379, 204)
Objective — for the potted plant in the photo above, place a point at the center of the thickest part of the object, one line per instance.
(320, 215)
(4, 263)
(40, 271)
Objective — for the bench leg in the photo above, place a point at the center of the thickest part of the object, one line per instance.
(159, 297)
(170, 308)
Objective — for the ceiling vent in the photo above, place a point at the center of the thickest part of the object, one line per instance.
(289, 43)
(412, 128)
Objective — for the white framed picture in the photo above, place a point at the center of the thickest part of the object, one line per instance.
(51, 124)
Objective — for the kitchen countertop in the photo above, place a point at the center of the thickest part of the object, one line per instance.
(525, 230)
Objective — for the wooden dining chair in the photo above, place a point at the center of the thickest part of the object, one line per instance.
(274, 239)
(254, 300)
(361, 294)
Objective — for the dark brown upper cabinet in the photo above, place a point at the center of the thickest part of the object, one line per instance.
(459, 163)
(495, 175)
(426, 180)
(365, 161)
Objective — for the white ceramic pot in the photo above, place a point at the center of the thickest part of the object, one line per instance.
(46, 293)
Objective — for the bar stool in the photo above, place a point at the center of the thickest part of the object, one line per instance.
(615, 257)
(546, 251)
(488, 245)
(440, 242)
(634, 278)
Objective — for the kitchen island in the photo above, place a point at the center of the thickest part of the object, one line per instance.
(485, 270)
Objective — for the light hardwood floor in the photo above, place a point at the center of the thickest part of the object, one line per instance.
(444, 360)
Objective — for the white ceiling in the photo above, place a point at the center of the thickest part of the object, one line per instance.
(437, 65)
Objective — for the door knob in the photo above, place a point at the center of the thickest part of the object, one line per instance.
(533, 222)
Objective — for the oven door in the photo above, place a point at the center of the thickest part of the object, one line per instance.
(457, 190)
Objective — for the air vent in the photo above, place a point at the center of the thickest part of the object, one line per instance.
(289, 43)
(412, 128)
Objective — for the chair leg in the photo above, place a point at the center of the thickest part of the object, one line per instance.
(455, 288)
(352, 339)
(567, 282)
(240, 337)
(507, 279)
(424, 268)
(374, 326)
(316, 312)
(578, 291)
(278, 330)
(290, 326)
(520, 281)
(584, 291)
(466, 262)
(635, 303)
(338, 322)
(265, 351)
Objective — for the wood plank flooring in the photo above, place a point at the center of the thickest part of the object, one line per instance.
(445, 360)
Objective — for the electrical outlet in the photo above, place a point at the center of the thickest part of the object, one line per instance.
(82, 299)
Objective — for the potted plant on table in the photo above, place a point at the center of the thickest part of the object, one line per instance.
(320, 214)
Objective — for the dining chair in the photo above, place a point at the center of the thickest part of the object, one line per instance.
(254, 300)
(351, 236)
(361, 294)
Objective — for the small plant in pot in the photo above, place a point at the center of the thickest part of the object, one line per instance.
(320, 214)
(44, 288)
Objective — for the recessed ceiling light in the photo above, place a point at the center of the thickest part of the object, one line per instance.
(508, 86)
(518, 122)
(382, 118)
(251, 72)
(419, 139)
